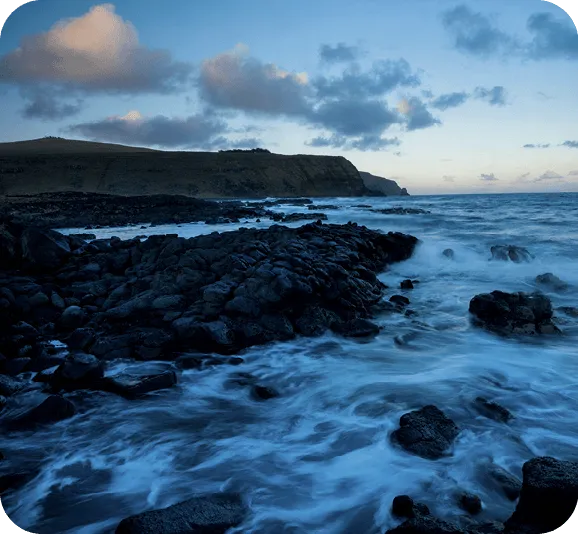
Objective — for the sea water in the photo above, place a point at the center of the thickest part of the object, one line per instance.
(319, 458)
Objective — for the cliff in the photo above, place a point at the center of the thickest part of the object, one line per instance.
(381, 185)
(55, 165)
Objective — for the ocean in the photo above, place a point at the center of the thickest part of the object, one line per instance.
(319, 458)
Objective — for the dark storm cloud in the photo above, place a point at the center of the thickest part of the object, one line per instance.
(476, 34)
(450, 100)
(340, 53)
(496, 96)
(488, 177)
(194, 131)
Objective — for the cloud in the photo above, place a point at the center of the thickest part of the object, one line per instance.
(550, 176)
(496, 96)
(45, 105)
(363, 144)
(195, 131)
(488, 177)
(98, 51)
(383, 77)
(474, 33)
(530, 145)
(450, 100)
(354, 118)
(234, 80)
(570, 144)
(573, 173)
(340, 53)
(450, 179)
(552, 39)
(417, 115)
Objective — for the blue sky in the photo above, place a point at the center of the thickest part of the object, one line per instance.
(444, 97)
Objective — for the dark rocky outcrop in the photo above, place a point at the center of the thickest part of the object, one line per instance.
(382, 186)
(207, 514)
(404, 506)
(552, 281)
(513, 313)
(104, 168)
(51, 410)
(426, 432)
(398, 210)
(511, 253)
(134, 386)
(469, 502)
(548, 498)
(492, 410)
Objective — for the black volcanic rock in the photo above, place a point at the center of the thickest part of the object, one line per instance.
(207, 514)
(513, 313)
(426, 432)
(511, 253)
(548, 498)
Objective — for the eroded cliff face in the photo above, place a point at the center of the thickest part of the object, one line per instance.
(382, 186)
(199, 174)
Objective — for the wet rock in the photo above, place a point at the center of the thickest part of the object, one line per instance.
(427, 525)
(548, 497)
(513, 313)
(406, 284)
(511, 253)
(78, 371)
(9, 386)
(133, 386)
(492, 410)
(53, 409)
(404, 506)
(401, 211)
(3, 402)
(508, 483)
(426, 432)
(84, 237)
(216, 513)
(81, 339)
(449, 253)
(72, 317)
(469, 502)
(293, 217)
(57, 301)
(399, 300)
(260, 392)
(551, 280)
(44, 249)
(356, 328)
(15, 366)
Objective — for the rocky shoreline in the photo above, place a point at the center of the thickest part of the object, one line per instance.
(200, 302)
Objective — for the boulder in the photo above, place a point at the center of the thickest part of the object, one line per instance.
(73, 317)
(51, 410)
(492, 410)
(404, 506)
(511, 253)
(509, 485)
(260, 392)
(207, 514)
(449, 253)
(548, 498)
(356, 328)
(134, 386)
(44, 249)
(78, 371)
(513, 313)
(399, 300)
(469, 502)
(406, 284)
(426, 432)
(552, 281)
(9, 386)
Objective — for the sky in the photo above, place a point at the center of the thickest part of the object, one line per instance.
(442, 96)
